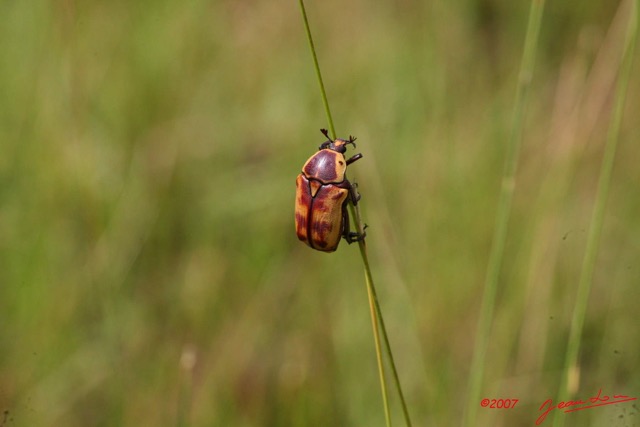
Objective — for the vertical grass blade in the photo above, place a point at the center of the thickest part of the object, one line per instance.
(374, 304)
(325, 101)
(597, 219)
(374, 307)
(503, 214)
(376, 337)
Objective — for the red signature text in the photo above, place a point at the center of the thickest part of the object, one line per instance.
(578, 405)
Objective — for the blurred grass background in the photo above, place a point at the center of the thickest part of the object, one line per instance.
(149, 269)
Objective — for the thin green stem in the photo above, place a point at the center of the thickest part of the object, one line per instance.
(374, 306)
(503, 214)
(332, 129)
(371, 290)
(597, 219)
(376, 336)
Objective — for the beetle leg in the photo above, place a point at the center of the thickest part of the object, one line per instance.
(354, 158)
(353, 192)
(355, 237)
(351, 236)
(346, 229)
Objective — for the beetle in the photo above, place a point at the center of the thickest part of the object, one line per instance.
(322, 195)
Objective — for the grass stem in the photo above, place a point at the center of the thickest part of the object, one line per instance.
(597, 219)
(377, 320)
(325, 101)
(373, 299)
(503, 214)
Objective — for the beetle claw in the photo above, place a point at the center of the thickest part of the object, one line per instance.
(353, 236)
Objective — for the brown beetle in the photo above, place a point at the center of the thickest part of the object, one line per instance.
(322, 194)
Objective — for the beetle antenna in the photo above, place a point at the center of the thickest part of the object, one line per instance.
(325, 133)
(351, 141)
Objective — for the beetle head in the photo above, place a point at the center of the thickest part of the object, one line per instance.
(339, 145)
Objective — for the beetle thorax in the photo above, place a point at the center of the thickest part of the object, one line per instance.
(326, 166)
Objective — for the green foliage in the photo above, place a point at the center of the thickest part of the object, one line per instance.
(149, 270)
